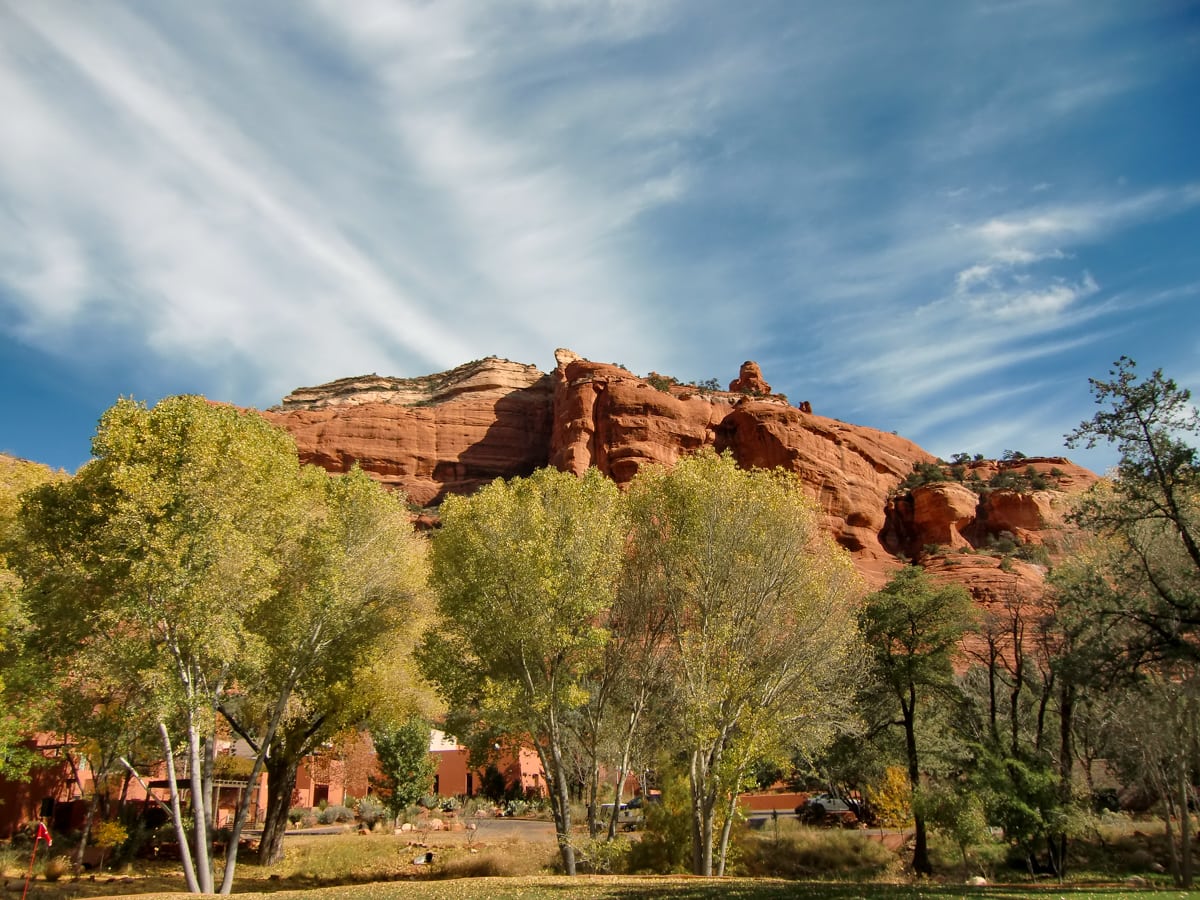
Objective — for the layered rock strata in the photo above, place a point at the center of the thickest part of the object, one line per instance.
(452, 432)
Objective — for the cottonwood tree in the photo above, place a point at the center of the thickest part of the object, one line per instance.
(524, 572)
(20, 675)
(352, 589)
(912, 628)
(156, 559)
(635, 674)
(760, 607)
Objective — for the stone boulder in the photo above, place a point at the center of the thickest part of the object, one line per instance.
(749, 381)
(942, 511)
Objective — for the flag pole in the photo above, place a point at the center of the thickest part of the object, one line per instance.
(41, 833)
(29, 877)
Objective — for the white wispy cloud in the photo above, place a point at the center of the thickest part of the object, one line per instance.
(897, 210)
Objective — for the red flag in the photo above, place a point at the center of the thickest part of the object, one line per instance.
(43, 834)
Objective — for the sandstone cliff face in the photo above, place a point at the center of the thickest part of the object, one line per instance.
(952, 515)
(607, 417)
(452, 432)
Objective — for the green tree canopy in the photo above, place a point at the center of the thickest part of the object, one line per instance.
(525, 571)
(405, 762)
(20, 676)
(761, 642)
(1149, 510)
(912, 628)
(155, 561)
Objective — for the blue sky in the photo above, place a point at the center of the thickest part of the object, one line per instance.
(937, 218)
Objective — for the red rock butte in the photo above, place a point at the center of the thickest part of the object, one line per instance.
(455, 431)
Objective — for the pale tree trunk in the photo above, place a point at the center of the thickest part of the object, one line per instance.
(201, 816)
(626, 760)
(239, 821)
(560, 798)
(726, 831)
(730, 817)
(185, 850)
(703, 811)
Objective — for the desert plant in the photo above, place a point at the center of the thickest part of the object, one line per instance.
(660, 382)
(370, 811)
(922, 473)
(335, 813)
(55, 867)
(600, 856)
(666, 844)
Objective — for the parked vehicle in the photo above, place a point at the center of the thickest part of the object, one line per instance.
(629, 817)
(828, 810)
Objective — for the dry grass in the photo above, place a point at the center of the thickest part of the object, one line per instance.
(800, 851)
(381, 867)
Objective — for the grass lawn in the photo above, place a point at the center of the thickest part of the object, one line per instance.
(466, 867)
(603, 887)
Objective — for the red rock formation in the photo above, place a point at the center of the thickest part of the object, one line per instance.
(849, 470)
(451, 432)
(605, 416)
(455, 431)
(942, 512)
(750, 381)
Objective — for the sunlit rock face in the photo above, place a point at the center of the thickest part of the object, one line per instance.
(445, 433)
(455, 431)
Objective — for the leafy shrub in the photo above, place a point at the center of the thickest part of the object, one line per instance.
(370, 811)
(298, 814)
(1001, 544)
(492, 784)
(107, 836)
(892, 798)
(335, 813)
(666, 843)
(598, 856)
(451, 804)
(957, 814)
(662, 383)
(1034, 553)
(922, 473)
